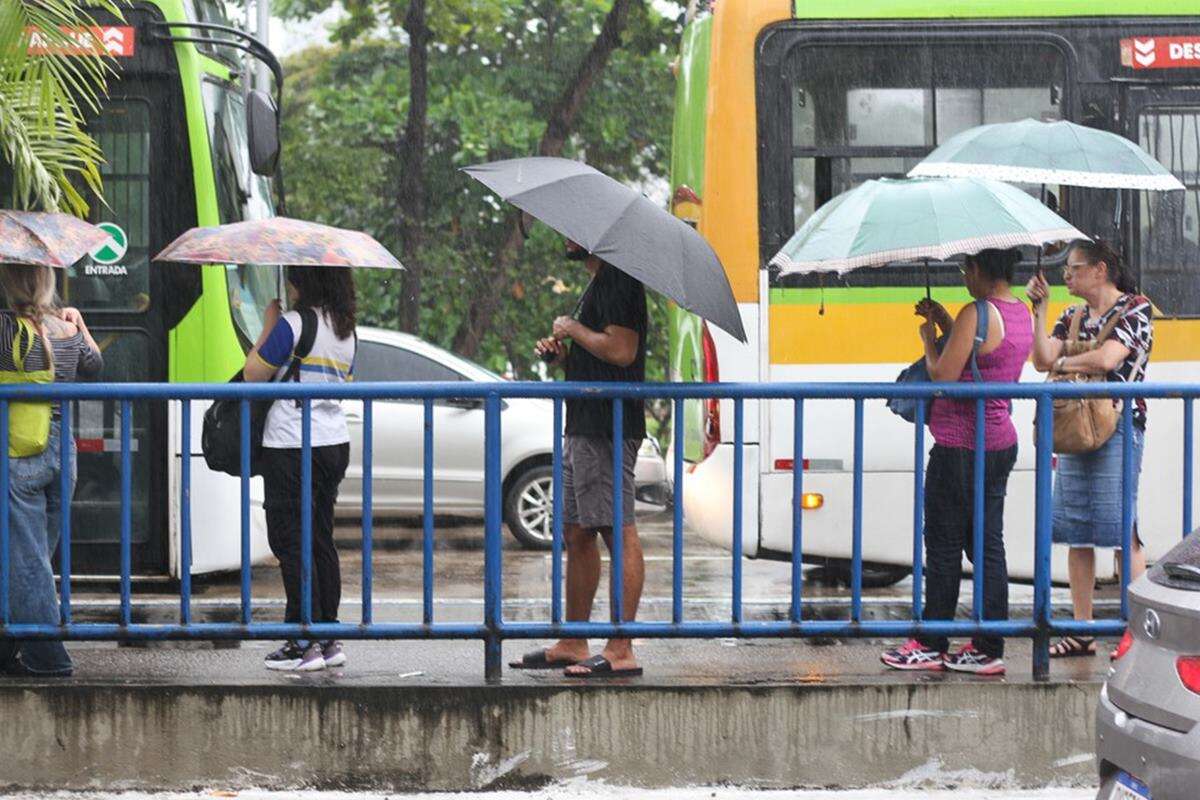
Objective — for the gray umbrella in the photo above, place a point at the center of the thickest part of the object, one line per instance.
(622, 227)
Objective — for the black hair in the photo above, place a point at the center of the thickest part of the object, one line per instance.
(999, 265)
(330, 289)
(1099, 251)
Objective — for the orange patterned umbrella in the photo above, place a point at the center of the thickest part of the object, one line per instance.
(278, 240)
(46, 239)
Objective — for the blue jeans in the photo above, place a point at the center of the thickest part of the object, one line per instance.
(35, 505)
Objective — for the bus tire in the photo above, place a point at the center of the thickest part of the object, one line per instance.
(528, 508)
(874, 576)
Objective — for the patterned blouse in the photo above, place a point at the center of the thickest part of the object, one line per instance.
(1135, 330)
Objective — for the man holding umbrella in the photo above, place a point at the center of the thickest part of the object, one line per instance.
(628, 244)
(607, 343)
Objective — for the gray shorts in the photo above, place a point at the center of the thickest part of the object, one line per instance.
(588, 481)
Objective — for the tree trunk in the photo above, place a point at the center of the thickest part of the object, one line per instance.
(559, 122)
(410, 145)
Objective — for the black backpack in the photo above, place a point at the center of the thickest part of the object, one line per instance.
(220, 439)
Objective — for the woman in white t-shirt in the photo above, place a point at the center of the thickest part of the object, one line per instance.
(329, 292)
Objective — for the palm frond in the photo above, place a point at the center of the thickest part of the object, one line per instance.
(45, 98)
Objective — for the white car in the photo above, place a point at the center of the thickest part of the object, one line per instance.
(398, 469)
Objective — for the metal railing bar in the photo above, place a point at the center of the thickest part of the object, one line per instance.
(617, 582)
(979, 568)
(677, 447)
(1127, 507)
(427, 453)
(493, 574)
(797, 509)
(1043, 521)
(66, 439)
(244, 412)
(739, 447)
(126, 511)
(1188, 455)
(857, 528)
(306, 532)
(5, 551)
(368, 512)
(556, 519)
(918, 560)
(185, 512)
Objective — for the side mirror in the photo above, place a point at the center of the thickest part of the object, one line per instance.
(262, 132)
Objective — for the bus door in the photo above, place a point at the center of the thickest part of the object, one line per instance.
(129, 306)
(1164, 227)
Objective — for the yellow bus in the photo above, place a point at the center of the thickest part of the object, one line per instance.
(783, 104)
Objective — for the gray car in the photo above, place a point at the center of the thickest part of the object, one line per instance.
(1148, 718)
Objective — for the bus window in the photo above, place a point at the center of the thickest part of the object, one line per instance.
(866, 111)
(1169, 222)
(117, 277)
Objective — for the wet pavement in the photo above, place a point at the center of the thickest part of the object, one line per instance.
(458, 592)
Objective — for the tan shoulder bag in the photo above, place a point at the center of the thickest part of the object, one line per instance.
(1083, 425)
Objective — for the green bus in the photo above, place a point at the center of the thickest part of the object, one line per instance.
(178, 153)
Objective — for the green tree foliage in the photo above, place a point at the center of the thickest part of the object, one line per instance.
(496, 70)
(45, 93)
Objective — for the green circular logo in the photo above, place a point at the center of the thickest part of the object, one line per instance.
(114, 249)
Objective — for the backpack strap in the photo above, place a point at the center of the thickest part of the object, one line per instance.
(982, 313)
(308, 335)
(1113, 320)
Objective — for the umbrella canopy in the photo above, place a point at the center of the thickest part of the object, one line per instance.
(1030, 151)
(278, 240)
(910, 219)
(46, 239)
(622, 227)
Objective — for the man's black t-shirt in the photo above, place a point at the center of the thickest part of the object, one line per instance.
(614, 298)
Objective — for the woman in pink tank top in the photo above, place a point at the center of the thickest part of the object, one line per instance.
(949, 474)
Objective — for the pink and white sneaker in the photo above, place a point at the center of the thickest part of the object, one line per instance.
(971, 660)
(912, 655)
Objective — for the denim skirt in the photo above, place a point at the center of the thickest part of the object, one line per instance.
(1087, 494)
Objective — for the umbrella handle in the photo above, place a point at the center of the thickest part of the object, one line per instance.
(928, 285)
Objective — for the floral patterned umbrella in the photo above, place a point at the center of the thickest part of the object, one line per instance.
(278, 240)
(46, 239)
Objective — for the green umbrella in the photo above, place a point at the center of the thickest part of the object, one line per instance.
(1036, 152)
(915, 219)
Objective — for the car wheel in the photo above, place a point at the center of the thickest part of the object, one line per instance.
(529, 507)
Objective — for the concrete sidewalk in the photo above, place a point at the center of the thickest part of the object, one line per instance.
(409, 716)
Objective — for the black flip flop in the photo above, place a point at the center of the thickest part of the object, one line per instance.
(536, 659)
(601, 667)
(1074, 647)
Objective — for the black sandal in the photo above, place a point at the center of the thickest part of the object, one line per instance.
(1073, 647)
(538, 659)
(601, 667)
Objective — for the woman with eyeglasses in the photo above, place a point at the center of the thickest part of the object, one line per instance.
(949, 473)
(1087, 487)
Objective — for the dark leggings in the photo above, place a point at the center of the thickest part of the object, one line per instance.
(281, 484)
(949, 533)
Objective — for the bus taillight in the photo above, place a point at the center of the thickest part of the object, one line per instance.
(712, 406)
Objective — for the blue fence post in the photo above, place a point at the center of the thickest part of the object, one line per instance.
(185, 512)
(66, 439)
(126, 511)
(306, 538)
(492, 555)
(739, 425)
(797, 508)
(1043, 521)
(856, 550)
(918, 561)
(677, 446)
(5, 552)
(617, 583)
(1127, 509)
(244, 417)
(979, 561)
(556, 520)
(427, 518)
(1188, 464)
(368, 513)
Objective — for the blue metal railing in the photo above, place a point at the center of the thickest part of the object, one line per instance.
(494, 628)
